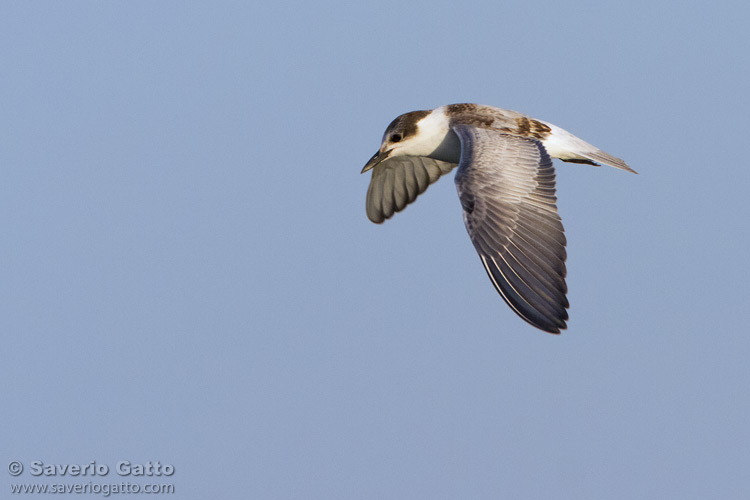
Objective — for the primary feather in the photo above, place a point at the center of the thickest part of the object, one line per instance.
(506, 185)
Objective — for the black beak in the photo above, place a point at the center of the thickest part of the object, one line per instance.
(376, 158)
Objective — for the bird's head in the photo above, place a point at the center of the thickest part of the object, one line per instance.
(418, 133)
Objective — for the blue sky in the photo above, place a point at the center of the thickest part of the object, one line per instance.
(189, 275)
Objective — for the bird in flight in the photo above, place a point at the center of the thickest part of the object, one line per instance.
(506, 186)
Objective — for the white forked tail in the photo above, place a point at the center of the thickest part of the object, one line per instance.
(567, 147)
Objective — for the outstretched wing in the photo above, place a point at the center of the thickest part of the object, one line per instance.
(506, 184)
(397, 181)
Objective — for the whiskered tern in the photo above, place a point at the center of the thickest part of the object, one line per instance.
(506, 185)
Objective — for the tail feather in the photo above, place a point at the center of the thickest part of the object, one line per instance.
(602, 157)
(563, 145)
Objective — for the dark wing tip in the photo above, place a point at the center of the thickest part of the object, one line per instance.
(542, 308)
(555, 330)
(375, 216)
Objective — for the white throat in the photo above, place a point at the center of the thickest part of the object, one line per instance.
(434, 138)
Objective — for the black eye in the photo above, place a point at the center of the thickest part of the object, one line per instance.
(395, 137)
